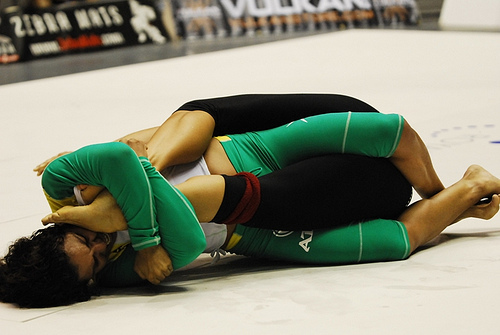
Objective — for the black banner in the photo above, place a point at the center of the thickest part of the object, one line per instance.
(217, 18)
(67, 28)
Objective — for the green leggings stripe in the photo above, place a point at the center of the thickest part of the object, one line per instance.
(398, 138)
(360, 243)
(405, 237)
(345, 131)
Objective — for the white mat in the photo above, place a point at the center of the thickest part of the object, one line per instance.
(446, 84)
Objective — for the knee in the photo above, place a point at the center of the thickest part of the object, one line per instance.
(376, 135)
(385, 240)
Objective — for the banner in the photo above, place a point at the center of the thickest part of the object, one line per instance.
(219, 18)
(78, 27)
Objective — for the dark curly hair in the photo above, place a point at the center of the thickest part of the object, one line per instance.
(37, 273)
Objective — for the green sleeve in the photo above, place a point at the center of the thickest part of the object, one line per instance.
(144, 196)
(116, 167)
(181, 233)
(184, 241)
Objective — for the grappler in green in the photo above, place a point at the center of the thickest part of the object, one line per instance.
(144, 196)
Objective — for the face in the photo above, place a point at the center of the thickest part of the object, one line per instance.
(87, 250)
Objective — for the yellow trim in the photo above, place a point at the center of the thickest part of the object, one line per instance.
(223, 138)
(117, 251)
(56, 204)
(235, 239)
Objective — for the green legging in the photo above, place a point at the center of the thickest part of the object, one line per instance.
(367, 134)
(370, 134)
(370, 241)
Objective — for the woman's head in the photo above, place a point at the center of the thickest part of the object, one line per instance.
(37, 271)
(88, 251)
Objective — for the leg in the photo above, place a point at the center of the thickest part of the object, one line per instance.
(413, 160)
(368, 134)
(185, 135)
(321, 192)
(181, 139)
(372, 241)
(331, 191)
(375, 240)
(427, 218)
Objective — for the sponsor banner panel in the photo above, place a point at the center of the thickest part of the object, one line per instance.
(221, 18)
(78, 27)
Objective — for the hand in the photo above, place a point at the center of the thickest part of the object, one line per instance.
(102, 215)
(153, 264)
(139, 147)
(41, 167)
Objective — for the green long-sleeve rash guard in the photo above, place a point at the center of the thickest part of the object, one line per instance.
(148, 202)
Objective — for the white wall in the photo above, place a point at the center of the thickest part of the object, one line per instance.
(470, 15)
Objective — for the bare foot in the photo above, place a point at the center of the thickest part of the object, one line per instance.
(485, 211)
(486, 183)
(102, 215)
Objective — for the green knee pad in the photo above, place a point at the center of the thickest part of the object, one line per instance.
(371, 241)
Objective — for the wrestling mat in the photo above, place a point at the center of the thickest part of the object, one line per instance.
(446, 84)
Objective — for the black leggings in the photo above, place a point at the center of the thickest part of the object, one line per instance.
(324, 192)
(251, 112)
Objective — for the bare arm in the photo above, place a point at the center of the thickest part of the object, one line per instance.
(182, 138)
(143, 135)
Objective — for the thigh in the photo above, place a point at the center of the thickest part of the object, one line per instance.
(369, 134)
(252, 112)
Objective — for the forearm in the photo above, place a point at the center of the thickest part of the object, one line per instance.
(142, 135)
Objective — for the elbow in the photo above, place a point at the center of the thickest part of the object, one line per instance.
(120, 152)
(196, 247)
(200, 245)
